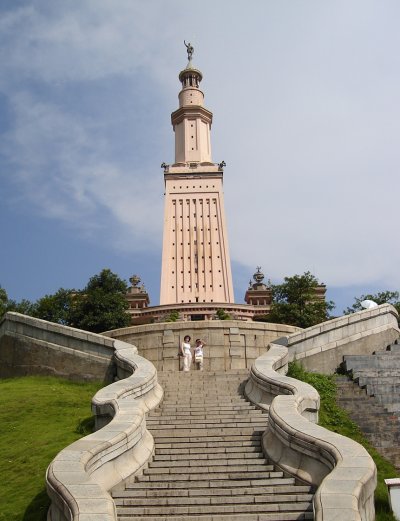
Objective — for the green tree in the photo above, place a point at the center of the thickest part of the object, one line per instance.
(382, 297)
(6, 304)
(222, 314)
(295, 302)
(173, 316)
(57, 307)
(101, 305)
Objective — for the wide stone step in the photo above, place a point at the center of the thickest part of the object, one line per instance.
(206, 406)
(229, 474)
(196, 461)
(217, 509)
(194, 430)
(203, 416)
(200, 456)
(201, 448)
(275, 516)
(212, 500)
(180, 492)
(159, 424)
(134, 485)
(193, 445)
(207, 467)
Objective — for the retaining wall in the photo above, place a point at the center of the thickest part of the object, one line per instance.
(80, 476)
(321, 348)
(341, 468)
(30, 346)
(230, 344)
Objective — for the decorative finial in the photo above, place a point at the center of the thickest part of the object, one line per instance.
(189, 49)
(258, 276)
(134, 280)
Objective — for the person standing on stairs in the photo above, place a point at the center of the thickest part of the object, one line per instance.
(198, 354)
(186, 352)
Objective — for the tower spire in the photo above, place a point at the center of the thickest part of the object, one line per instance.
(192, 121)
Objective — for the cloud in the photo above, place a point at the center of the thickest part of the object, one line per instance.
(62, 169)
(306, 115)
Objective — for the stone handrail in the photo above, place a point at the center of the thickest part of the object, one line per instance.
(322, 347)
(341, 468)
(80, 476)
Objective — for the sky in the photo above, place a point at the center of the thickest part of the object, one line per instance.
(305, 97)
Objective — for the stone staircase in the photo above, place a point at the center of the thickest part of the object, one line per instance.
(208, 462)
(372, 398)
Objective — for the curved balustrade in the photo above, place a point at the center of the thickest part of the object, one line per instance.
(341, 468)
(79, 477)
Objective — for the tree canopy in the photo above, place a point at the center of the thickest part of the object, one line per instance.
(100, 306)
(295, 302)
(382, 297)
(6, 304)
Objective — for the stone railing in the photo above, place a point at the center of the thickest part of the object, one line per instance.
(30, 346)
(322, 347)
(80, 476)
(342, 469)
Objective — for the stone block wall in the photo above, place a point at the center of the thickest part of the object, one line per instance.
(230, 344)
(321, 348)
(30, 346)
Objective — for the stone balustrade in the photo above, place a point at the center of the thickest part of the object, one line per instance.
(80, 476)
(321, 348)
(31, 346)
(341, 468)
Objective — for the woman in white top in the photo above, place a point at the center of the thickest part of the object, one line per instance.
(186, 353)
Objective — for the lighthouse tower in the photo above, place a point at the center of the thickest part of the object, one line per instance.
(195, 257)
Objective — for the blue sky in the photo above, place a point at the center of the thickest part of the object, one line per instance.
(305, 96)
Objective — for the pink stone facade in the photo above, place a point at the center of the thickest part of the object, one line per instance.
(195, 260)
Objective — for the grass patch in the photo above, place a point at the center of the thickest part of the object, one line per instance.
(336, 419)
(39, 417)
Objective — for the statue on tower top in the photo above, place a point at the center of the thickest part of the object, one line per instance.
(189, 49)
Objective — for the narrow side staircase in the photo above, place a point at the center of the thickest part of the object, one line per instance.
(208, 462)
(372, 398)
